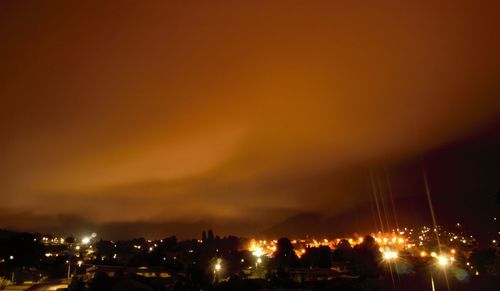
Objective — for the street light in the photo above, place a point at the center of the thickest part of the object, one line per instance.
(259, 261)
(443, 261)
(258, 252)
(390, 255)
(217, 269)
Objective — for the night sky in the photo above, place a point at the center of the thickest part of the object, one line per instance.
(258, 117)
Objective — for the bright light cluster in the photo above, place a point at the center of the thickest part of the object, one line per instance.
(389, 255)
(261, 248)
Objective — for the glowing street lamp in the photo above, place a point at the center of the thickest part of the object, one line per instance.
(217, 269)
(443, 261)
(258, 252)
(259, 261)
(390, 255)
(217, 266)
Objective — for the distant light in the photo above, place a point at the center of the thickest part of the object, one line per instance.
(85, 240)
(259, 260)
(80, 263)
(423, 254)
(11, 257)
(433, 254)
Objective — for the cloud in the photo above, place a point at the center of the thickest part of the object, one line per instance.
(192, 111)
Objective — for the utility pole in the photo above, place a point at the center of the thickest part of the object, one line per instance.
(69, 270)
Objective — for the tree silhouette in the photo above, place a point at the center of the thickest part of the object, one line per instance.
(320, 257)
(284, 256)
(210, 235)
(343, 253)
(104, 248)
(70, 239)
(367, 257)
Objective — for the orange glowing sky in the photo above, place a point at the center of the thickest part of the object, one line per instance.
(129, 111)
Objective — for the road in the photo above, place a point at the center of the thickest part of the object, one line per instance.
(51, 285)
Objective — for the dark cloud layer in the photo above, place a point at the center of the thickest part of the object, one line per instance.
(240, 114)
